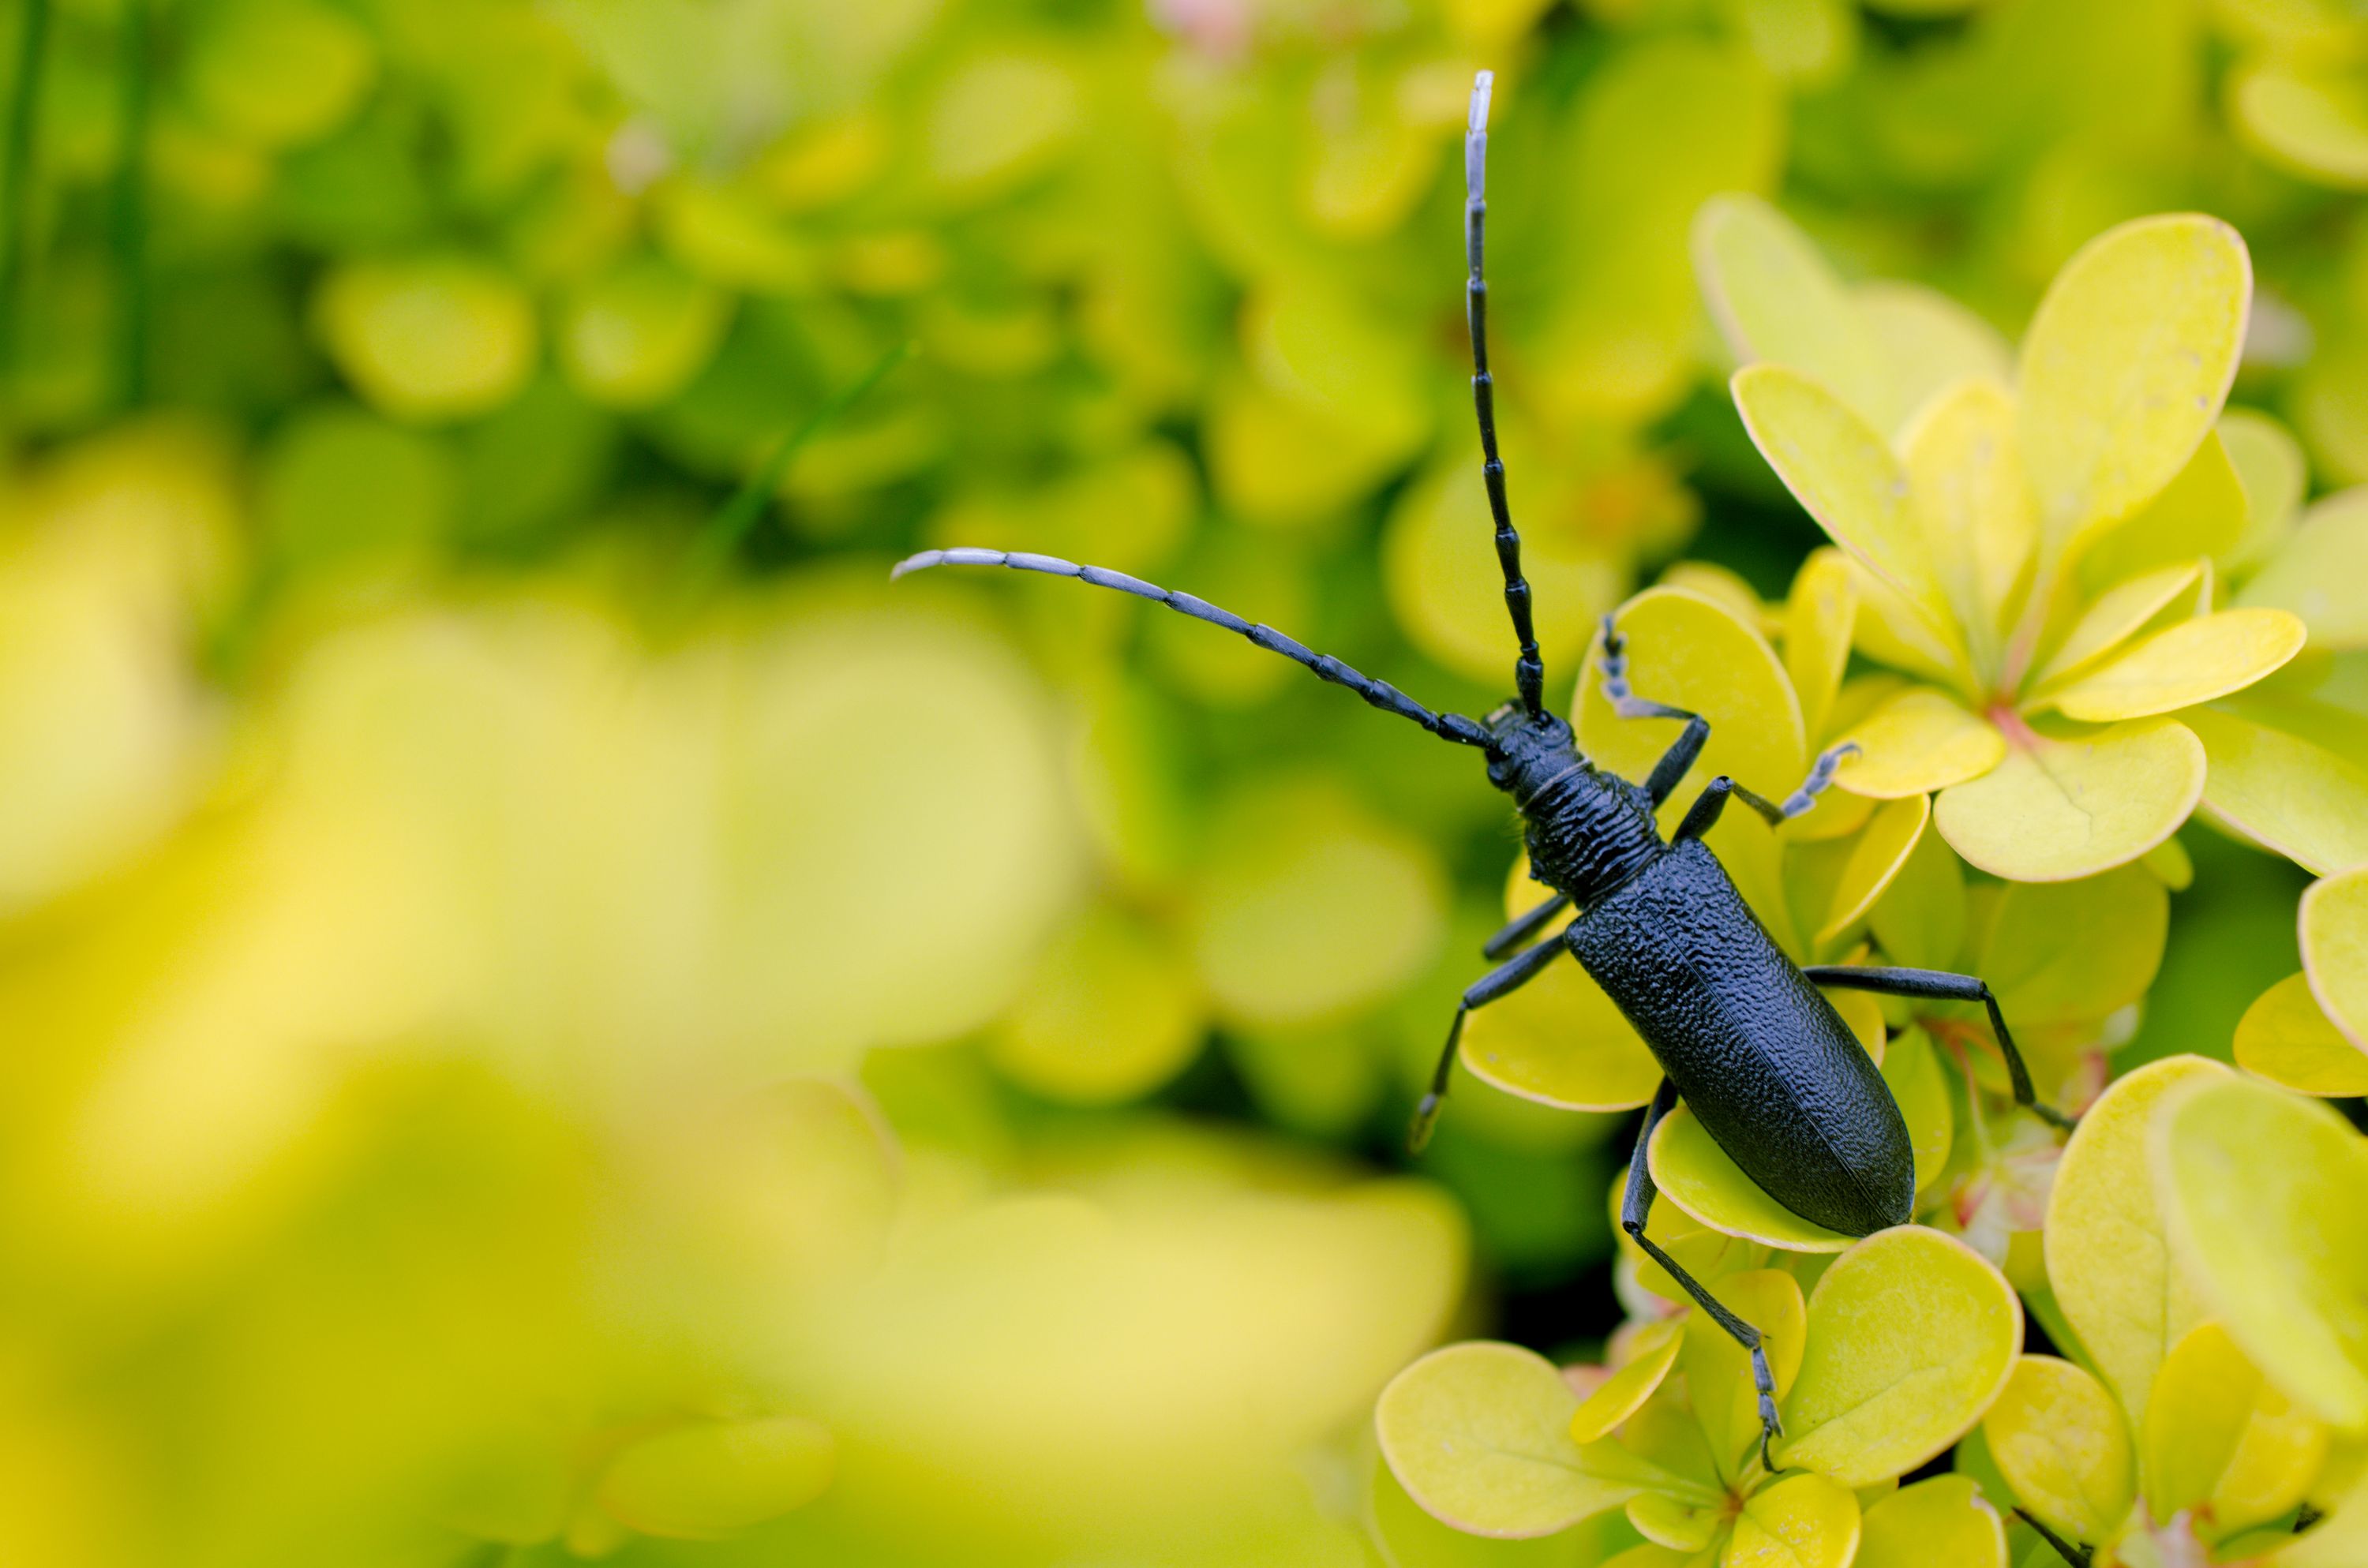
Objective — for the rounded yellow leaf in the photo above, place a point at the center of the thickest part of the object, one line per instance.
(1972, 504)
(1819, 619)
(2286, 1038)
(1841, 471)
(1918, 742)
(1871, 860)
(1111, 1013)
(2106, 1255)
(2275, 475)
(1561, 1042)
(2114, 618)
(635, 335)
(1696, 1175)
(2335, 950)
(718, 1477)
(1479, 1435)
(1650, 1357)
(1931, 340)
(2218, 1437)
(1803, 1521)
(440, 337)
(2052, 810)
(2289, 793)
(2127, 364)
(2321, 574)
(2200, 515)
(1706, 1254)
(1912, 1334)
(2262, 1189)
(1439, 570)
(1775, 298)
(1718, 1371)
(2059, 1439)
(1692, 652)
(1918, 1080)
(2185, 664)
(1939, 1523)
(2314, 123)
(1674, 1523)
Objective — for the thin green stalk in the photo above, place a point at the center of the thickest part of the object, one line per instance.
(729, 527)
(16, 171)
(128, 224)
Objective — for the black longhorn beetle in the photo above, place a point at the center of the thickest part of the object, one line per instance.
(1742, 1034)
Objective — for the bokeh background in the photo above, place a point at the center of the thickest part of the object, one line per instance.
(547, 1011)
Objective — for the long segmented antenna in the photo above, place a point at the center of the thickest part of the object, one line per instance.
(1529, 670)
(1381, 694)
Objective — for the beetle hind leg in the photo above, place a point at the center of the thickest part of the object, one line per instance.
(1941, 986)
(1635, 1207)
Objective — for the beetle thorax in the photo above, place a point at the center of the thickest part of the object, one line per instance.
(1588, 831)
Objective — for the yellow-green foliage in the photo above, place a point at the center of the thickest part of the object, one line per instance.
(549, 1014)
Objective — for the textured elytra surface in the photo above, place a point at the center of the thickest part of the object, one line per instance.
(1757, 1052)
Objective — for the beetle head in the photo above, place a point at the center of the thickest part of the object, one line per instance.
(1528, 751)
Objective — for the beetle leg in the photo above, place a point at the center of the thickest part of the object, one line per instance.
(1502, 981)
(1635, 1207)
(1941, 986)
(1662, 780)
(1524, 926)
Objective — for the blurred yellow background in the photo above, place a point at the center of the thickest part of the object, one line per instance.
(548, 1016)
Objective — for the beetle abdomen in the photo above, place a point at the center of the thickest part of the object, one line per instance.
(1755, 1049)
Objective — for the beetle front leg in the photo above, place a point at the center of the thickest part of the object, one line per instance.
(1635, 1208)
(1675, 761)
(1502, 981)
(1941, 986)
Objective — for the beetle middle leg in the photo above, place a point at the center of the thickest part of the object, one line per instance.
(1662, 780)
(1502, 981)
(1635, 1207)
(1704, 813)
(1523, 928)
(1941, 986)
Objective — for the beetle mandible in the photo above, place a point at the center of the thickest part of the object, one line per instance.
(1742, 1034)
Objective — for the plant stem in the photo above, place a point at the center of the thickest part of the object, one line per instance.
(130, 216)
(16, 171)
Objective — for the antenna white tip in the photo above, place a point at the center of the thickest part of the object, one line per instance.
(1481, 84)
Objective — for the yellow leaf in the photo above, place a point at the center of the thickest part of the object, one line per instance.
(1112, 1012)
(1696, 1175)
(1972, 504)
(1654, 1352)
(1775, 299)
(1559, 1040)
(2200, 513)
(2286, 1038)
(1818, 619)
(1718, 1371)
(2314, 123)
(715, 1478)
(2270, 466)
(2262, 1189)
(2299, 799)
(1931, 341)
(2334, 949)
(2106, 1254)
(2218, 1438)
(1841, 469)
(2041, 978)
(2321, 574)
(1939, 1523)
(432, 338)
(2185, 664)
(2116, 616)
(1803, 1521)
(1918, 742)
(1721, 586)
(1869, 862)
(2053, 810)
(1911, 1336)
(1912, 1068)
(1672, 1522)
(2059, 1440)
(1706, 1254)
(2127, 364)
(1893, 630)
(1479, 1435)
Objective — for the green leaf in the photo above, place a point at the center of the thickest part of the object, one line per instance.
(1841, 469)
(2299, 799)
(2218, 1438)
(2287, 1038)
(2127, 364)
(2116, 616)
(2321, 572)
(1561, 1042)
(1479, 1435)
(1972, 506)
(1819, 616)
(635, 335)
(1696, 1175)
(2060, 1441)
(1912, 1069)
(1920, 920)
(1841, 880)
(2055, 809)
(2314, 122)
(2068, 952)
(1650, 1356)
(1775, 299)
(1911, 1336)
(1918, 742)
(2334, 949)
(2262, 1189)
(1803, 1521)
(432, 338)
(2270, 466)
(714, 1478)
(2107, 1256)
(1111, 1013)
(2185, 664)
(2201, 513)
(1718, 1371)
(1932, 341)
(1939, 1523)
